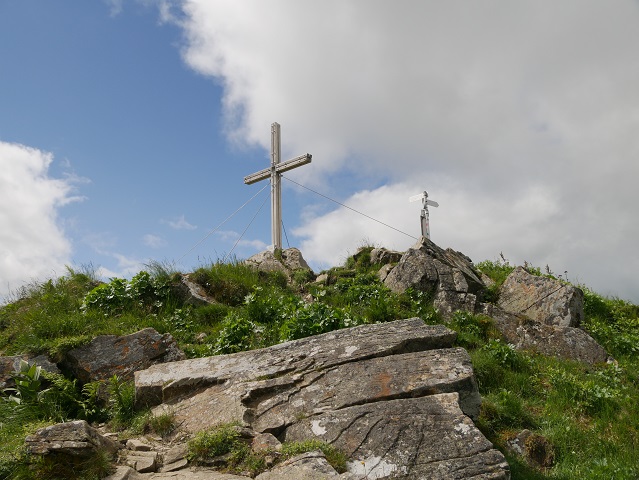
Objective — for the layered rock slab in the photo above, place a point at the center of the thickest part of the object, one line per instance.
(425, 437)
(163, 382)
(404, 376)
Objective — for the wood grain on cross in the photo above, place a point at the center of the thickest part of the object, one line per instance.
(275, 174)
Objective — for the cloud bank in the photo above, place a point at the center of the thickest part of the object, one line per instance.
(32, 242)
(519, 118)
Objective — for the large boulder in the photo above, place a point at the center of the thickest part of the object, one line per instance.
(542, 299)
(569, 343)
(380, 392)
(108, 355)
(447, 275)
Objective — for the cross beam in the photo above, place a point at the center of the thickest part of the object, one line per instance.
(275, 174)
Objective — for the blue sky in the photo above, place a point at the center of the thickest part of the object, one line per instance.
(126, 128)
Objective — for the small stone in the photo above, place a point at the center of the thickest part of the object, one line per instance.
(137, 445)
(176, 453)
(265, 442)
(143, 462)
(173, 466)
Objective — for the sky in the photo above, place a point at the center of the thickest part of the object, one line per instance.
(127, 127)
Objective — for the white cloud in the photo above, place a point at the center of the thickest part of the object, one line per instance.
(32, 243)
(179, 223)
(519, 117)
(115, 7)
(153, 241)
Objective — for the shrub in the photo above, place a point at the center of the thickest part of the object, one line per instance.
(506, 355)
(311, 319)
(215, 442)
(236, 334)
(142, 293)
(473, 330)
(497, 270)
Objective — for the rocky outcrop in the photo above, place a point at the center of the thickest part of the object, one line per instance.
(542, 299)
(287, 262)
(448, 276)
(533, 313)
(379, 392)
(109, 355)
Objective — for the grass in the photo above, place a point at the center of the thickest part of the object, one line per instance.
(224, 446)
(588, 414)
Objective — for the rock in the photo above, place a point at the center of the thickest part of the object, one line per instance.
(142, 461)
(534, 448)
(174, 466)
(194, 474)
(382, 256)
(265, 442)
(74, 439)
(307, 466)
(124, 472)
(448, 276)
(383, 272)
(542, 299)
(291, 260)
(448, 302)
(394, 439)
(137, 445)
(109, 355)
(365, 381)
(176, 453)
(192, 292)
(10, 365)
(564, 342)
(415, 270)
(380, 392)
(162, 382)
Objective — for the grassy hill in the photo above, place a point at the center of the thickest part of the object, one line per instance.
(588, 415)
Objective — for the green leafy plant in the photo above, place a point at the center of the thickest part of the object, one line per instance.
(506, 355)
(236, 334)
(121, 402)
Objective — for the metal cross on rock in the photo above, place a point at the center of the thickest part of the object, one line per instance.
(275, 174)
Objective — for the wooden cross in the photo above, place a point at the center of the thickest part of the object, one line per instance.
(275, 174)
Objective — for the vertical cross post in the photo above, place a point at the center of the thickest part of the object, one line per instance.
(275, 174)
(276, 188)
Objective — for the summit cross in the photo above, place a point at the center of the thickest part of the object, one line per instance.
(275, 174)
